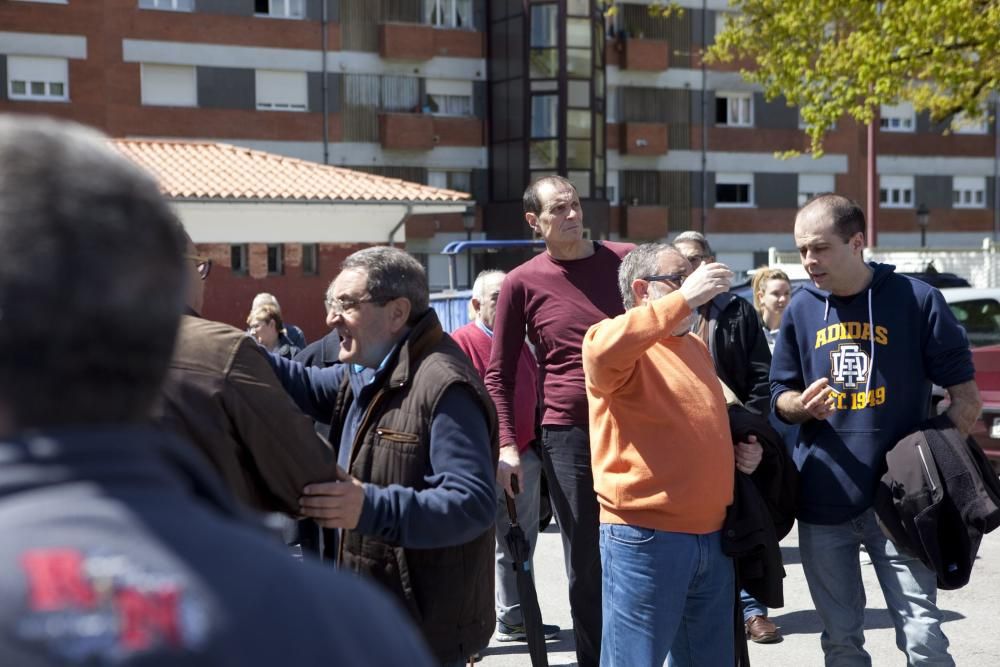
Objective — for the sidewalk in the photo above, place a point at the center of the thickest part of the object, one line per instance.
(969, 615)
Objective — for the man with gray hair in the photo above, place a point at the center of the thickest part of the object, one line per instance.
(663, 464)
(120, 545)
(476, 340)
(418, 450)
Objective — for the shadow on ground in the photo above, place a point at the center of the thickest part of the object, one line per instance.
(562, 644)
(807, 621)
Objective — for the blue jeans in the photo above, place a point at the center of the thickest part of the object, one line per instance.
(833, 573)
(666, 596)
(751, 606)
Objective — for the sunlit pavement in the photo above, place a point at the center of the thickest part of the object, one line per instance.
(972, 615)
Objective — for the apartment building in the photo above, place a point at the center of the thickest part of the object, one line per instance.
(482, 95)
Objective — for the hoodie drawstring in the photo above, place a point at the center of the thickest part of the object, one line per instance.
(826, 311)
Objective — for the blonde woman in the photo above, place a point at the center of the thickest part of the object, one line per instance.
(267, 328)
(771, 293)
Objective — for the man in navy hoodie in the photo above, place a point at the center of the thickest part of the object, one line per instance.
(120, 545)
(853, 364)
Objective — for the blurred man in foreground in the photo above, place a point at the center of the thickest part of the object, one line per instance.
(120, 546)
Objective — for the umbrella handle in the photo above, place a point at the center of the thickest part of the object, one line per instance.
(511, 508)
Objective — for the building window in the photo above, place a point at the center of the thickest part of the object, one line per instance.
(733, 190)
(37, 78)
(896, 191)
(47, 2)
(544, 115)
(968, 192)
(170, 5)
(452, 180)
(449, 98)
(238, 258)
(898, 118)
(734, 109)
(963, 124)
(811, 185)
(310, 259)
(448, 13)
(282, 91)
(275, 259)
(168, 85)
(280, 9)
(611, 187)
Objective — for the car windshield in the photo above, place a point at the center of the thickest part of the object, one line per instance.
(981, 319)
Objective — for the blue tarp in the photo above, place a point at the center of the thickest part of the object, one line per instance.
(452, 308)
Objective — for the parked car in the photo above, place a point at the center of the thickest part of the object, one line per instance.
(978, 310)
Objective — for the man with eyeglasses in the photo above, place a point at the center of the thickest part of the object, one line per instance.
(731, 329)
(417, 451)
(221, 394)
(663, 462)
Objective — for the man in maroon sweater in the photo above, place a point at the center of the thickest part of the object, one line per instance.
(555, 297)
(476, 340)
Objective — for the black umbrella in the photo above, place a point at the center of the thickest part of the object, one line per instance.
(520, 553)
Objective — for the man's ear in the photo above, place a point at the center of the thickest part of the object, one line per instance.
(640, 288)
(532, 220)
(399, 313)
(476, 305)
(858, 242)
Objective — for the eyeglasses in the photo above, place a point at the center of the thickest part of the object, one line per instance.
(667, 278)
(345, 305)
(203, 264)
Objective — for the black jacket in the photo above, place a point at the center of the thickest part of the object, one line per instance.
(739, 349)
(938, 497)
(762, 512)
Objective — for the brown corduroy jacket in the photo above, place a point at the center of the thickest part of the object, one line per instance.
(221, 394)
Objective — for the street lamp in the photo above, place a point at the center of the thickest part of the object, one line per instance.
(469, 223)
(923, 219)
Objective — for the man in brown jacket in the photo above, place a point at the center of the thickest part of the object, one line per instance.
(221, 394)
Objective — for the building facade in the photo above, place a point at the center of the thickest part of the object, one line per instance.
(482, 95)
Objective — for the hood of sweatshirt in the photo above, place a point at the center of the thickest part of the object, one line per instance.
(880, 350)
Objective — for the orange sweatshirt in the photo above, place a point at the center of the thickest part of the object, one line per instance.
(659, 431)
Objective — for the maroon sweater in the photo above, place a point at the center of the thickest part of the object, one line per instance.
(477, 344)
(555, 302)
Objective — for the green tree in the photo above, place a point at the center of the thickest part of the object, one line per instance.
(832, 58)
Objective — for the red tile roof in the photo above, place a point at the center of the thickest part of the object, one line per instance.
(207, 170)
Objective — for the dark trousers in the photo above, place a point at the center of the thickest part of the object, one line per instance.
(566, 458)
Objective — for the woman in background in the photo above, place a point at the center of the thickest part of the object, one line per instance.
(771, 293)
(267, 329)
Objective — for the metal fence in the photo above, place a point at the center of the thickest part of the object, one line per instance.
(452, 308)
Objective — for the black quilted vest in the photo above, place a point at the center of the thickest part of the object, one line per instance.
(448, 591)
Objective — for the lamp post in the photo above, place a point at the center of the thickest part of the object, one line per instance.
(923, 219)
(469, 223)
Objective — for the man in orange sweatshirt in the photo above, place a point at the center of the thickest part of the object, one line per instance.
(663, 463)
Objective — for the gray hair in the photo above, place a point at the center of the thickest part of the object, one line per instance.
(391, 274)
(479, 286)
(92, 278)
(643, 260)
(696, 237)
(264, 298)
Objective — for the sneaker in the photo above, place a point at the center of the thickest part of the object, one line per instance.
(517, 633)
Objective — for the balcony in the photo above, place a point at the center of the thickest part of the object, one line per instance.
(643, 138)
(406, 41)
(647, 55)
(406, 131)
(644, 223)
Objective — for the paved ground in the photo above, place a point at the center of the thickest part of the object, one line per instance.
(969, 615)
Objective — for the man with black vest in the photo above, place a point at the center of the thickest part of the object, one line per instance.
(417, 438)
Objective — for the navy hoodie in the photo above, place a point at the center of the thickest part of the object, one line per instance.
(880, 349)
